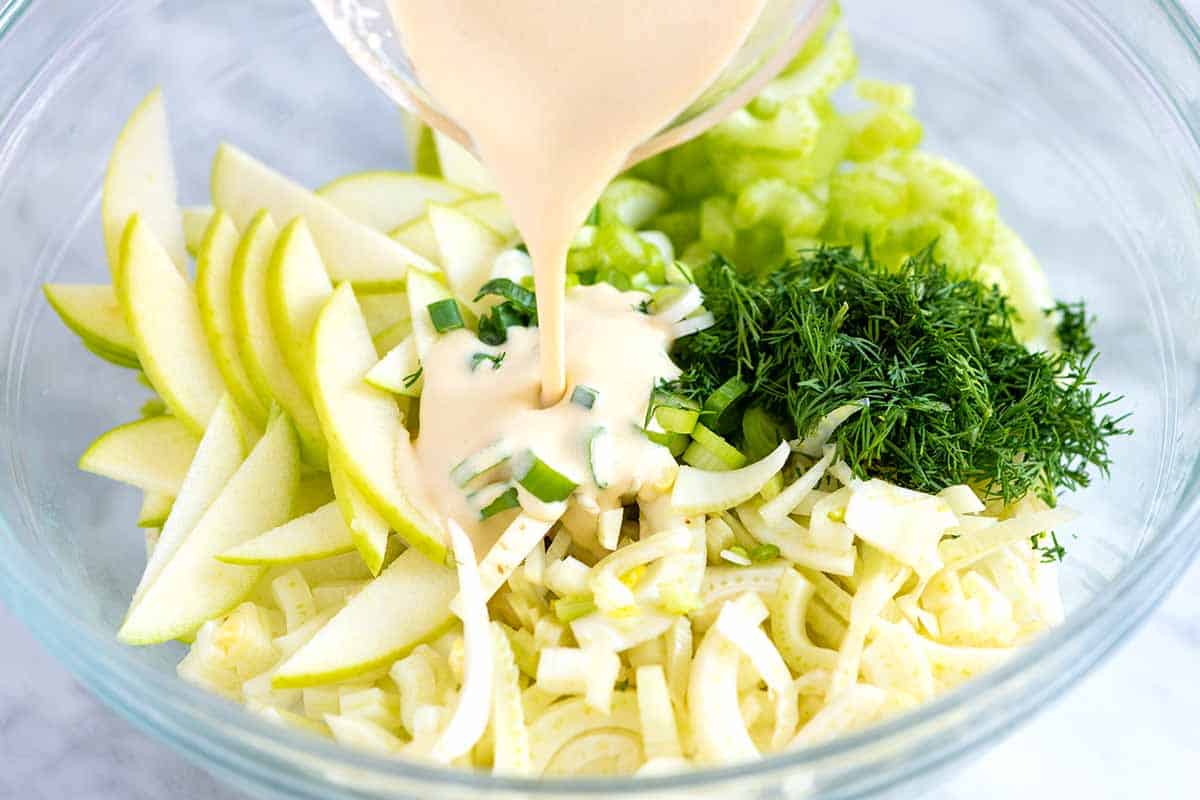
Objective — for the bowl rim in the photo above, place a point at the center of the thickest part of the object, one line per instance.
(245, 744)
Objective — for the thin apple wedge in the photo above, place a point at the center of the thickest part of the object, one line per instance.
(385, 200)
(368, 530)
(351, 250)
(155, 508)
(141, 180)
(408, 604)
(387, 340)
(193, 586)
(196, 220)
(160, 307)
(422, 150)
(319, 534)
(383, 311)
(468, 251)
(460, 167)
(152, 454)
(221, 451)
(315, 491)
(364, 426)
(491, 211)
(423, 290)
(417, 236)
(298, 288)
(214, 291)
(93, 313)
(399, 372)
(260, 350)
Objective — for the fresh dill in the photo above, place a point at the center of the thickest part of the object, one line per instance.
(479, 358)
(952, 396)
(1051, 551)
(413, 377)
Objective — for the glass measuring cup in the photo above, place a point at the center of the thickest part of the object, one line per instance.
(364, 29)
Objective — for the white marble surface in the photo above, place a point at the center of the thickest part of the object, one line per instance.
(1128, 730)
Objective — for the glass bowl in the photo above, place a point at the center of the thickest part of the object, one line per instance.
(364, 28)
(1080, 114)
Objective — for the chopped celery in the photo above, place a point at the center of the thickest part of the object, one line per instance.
(569, 609)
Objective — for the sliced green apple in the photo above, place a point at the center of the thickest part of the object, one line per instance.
(193, 586)
(423, 290)
(319, 534)
(363, 424)
(195, 220)
(160, 307)
(297, 289)
(214, 291)
(152, 454)
(387, 339)
(221, 451)
(418, 237)
(399, 372)
(141, 180)
(383, 311)
(368, 530)
(92, 312)
(491, 211)
(469, 249)
(422, 150)
(405, 606)
(315, 491)
(351, 250)
(385, 200)
(260, 349)
(155, 508)
(460, 167)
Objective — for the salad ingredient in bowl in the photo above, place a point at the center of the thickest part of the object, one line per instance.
(800, 478)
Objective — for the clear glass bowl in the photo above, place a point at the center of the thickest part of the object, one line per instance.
(1080, 114)
(364, 28)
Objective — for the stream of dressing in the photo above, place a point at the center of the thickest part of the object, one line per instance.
(555, 96)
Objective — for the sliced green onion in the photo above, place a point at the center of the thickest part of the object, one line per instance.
(726, 453)
(600, 456)
(505, 501)
(677, 420)
(445, 315)
(764, 552)
(475, 465)
(584, 396)
(720, 406)
(509, 290)
(587, 277)
(543, 481)
(569, 609)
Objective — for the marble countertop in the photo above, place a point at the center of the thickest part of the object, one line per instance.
(1130, 729)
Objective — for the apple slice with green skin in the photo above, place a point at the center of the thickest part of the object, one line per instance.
(92, 312)
(387, 340)
(422, 150)
(460, 167)
(423, 290)
(364, 426)
(351, 250)
(152, 454)
(315, 491)
(196, 220)
(214, 291)
(220, 453)
(155, 508)
(418, 235)
(160, 307)
(298, 288)
(407, 605)
(383, 311)
(193, 586)
(469, 249)
(386, 200)
(399, 372)
(141, 180)
(260, 349)
(319, 534)
(368, 530)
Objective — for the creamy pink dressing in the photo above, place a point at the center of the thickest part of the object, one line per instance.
(555, 96)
